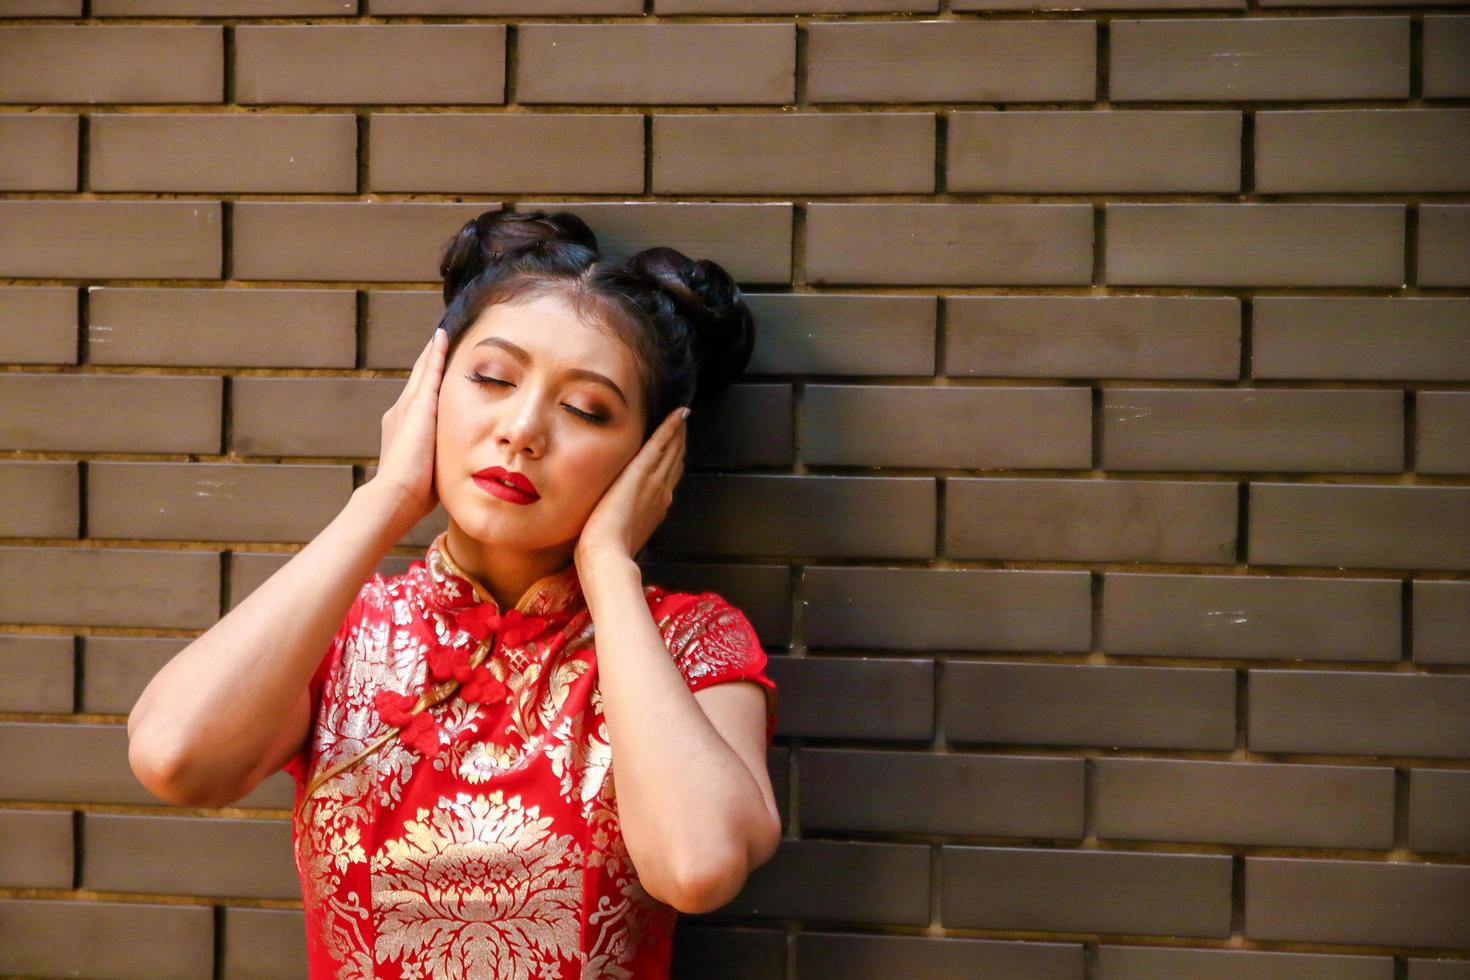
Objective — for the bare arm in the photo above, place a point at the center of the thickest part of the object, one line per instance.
(234, 705)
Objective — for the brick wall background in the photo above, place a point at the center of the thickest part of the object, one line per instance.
(1100, 485)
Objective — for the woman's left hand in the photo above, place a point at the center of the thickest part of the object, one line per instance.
(639, 499)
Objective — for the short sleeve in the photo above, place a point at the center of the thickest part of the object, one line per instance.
(713, 642)
(298, 765)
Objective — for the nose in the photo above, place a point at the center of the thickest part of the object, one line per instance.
(521, 428)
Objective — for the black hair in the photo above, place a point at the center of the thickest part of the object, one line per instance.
(686, 321)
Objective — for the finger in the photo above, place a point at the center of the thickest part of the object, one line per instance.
(421, 365)
(668, 431)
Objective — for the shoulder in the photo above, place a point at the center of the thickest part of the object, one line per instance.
(702, 626)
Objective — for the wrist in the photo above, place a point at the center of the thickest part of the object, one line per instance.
(606, 572)
(386, 505)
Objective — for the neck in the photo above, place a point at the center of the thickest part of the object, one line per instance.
(505, 574)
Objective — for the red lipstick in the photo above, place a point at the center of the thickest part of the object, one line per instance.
(500, 482)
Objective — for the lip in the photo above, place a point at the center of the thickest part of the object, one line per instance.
(522, 491)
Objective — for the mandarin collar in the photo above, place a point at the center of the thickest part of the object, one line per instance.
(452, 587)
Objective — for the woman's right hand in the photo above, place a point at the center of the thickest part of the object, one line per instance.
(406, 458)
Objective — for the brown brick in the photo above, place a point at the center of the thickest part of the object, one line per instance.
(1089, 152)
(263, 943)
(44, 8)
(1251, 617)
(1093, 336)
(109, 587)
(794, 6)
(1360, 526)
(116, 669)
(1264, 59)
(230, 153)
(42, 499)
(794, 153)
(941, 794)
(524, 152)
(36, 850)
(705, 951)
(855, 697)
(222, 8)
(869, 516)
(810, 333)
(174, 326)
(1100, 5)
(398, 324)
(928, 426)
(836, 954)
(1444, 245)
(1442, 440)
(949, 244)
(746, 425)
(1439, 799)
(1218, 429)
(38, 151)
(1244, 803)
(112, 940)
(392, 64)
(762, 592)
(1441, 622)
(36, 674)
(311, 416)
(923, 609)
(96, 413)
(1365, 903)
(751, 241)
(1341, 713)
(249, 569)
(1067, 890)
(851, 881)
(660, 64)
(1255, 244)
(93, 64)
(952, 61)
(1162, 963)
(1425, 969)
(88, 763)
(1446, 57)
(346, 240)
(1190, 521)
(1362, 151)
(54, 763)
(501, 8)
(214, 502)
(124, 239)
(1084, 704)
(38, 324)
(1361, 338)
(189, 855)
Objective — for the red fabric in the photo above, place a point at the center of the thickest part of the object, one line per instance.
(485, 842)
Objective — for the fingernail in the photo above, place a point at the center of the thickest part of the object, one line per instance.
(686, 412)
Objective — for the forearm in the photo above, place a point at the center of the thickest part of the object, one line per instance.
(685, 799)
(214, 711)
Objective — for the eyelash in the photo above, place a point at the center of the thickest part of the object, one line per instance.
(481, 379)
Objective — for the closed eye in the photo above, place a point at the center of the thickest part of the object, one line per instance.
(481, 379)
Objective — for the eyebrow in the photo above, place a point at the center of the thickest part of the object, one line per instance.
(520, 354)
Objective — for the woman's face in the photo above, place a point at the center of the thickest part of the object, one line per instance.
(569, 433)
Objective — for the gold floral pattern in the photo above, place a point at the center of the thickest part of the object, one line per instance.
(480, 886)
(503, 855)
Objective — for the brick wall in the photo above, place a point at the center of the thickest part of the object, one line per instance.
(1101, 478)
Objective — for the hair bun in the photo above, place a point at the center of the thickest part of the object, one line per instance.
(720, 324)
(506, 238)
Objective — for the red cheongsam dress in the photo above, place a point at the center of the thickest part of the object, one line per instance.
(479, 837)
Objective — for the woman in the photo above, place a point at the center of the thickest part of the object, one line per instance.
(454, 748)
